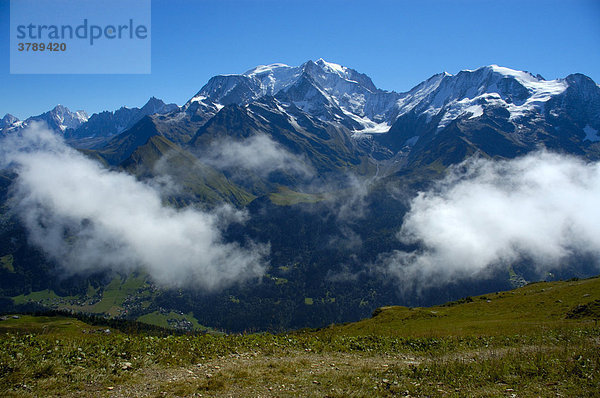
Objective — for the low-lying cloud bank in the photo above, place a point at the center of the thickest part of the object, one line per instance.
(543, 208)
(258, 154)
(88, 218)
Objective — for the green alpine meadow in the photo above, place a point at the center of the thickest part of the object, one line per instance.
(540, 340)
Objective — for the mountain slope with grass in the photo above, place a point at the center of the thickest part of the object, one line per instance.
(195, 182)
(541, 340)
(524, 310)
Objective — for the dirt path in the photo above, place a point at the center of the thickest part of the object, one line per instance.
(257, 375)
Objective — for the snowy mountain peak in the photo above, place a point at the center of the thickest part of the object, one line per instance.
(470, 92)
(63, 111)
(330, 72)
(265, 69)
(516, 74)
(61, 118)
(327, 90)
(333, 68)
(274, 78)
(8, 120)
(270, 79)
(491, 74)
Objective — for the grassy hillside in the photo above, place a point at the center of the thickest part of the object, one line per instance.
(286, 197)
(524, 310)
(199, 182)
(539, 340)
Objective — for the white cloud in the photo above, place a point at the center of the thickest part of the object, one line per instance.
(259, 154)
(350, 202)
(89, 218)
(542, 207)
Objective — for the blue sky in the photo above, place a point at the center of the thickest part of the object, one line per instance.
(397, 43)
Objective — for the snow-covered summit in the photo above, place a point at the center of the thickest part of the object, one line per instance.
(330, 67)
(327, 90)
(273, 78)
(58, 119)
(336, 93)
(471, 91)
(8, 120)
(61, 118)
(266, 69)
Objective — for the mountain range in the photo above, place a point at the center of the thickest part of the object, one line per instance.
(287, 144)
(512, 110)
(78, 125)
